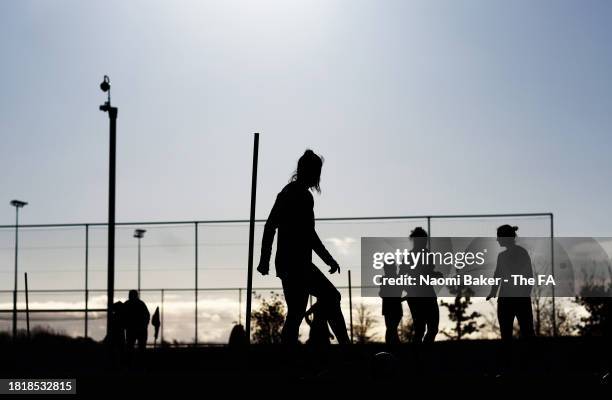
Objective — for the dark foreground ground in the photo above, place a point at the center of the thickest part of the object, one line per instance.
(564, 362)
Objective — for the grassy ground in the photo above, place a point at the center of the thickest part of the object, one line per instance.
(579, 361)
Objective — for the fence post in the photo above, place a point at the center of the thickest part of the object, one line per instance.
(27, 301)
(350, 303)
(552, 270)
(251, 237)
(429, 232)
(86, 280)
(239, 306)
(162, 318)
(196, 283)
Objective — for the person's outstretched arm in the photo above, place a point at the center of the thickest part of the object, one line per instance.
(268, 237)
(319, 248)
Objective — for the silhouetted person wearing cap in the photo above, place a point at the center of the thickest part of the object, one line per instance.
(136, 317)
(293, 216)
(514, 300)
(422, 299)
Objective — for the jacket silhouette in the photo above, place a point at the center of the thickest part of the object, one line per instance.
(136, 320)
(293, 217)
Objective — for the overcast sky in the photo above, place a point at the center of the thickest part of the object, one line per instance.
(419, 107)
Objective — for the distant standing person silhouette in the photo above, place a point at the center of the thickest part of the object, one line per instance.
(136, 320)
(293, 216)
(422, 299)
(117, 334)
(514, 301)
(391, 305)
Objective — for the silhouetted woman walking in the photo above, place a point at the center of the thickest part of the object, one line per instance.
(293, 216)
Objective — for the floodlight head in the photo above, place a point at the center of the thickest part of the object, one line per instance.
(139, 233)
(105, 85)
(18, 203)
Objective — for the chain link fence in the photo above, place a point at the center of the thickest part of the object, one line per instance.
(194, 271)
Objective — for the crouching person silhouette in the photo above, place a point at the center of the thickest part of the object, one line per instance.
(136, 322)
(293, 217)
(319, 330)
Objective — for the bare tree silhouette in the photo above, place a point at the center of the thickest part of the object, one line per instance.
(565, 317)
(596, 298)
(365, 324)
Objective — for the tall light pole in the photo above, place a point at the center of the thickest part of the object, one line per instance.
(112, 116)
(17, 204)
(139, 234)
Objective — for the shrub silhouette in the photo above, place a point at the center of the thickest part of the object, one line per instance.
(268, 319)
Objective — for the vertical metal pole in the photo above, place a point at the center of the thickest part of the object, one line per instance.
(350, 285)
(139, 266)
(86, 280)
(196, 283)
(27, 306)
(16, 272)
(552, 270)
(429, 232)
(239, 306)
(251, 237)
(110, 291)
(162, 317)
